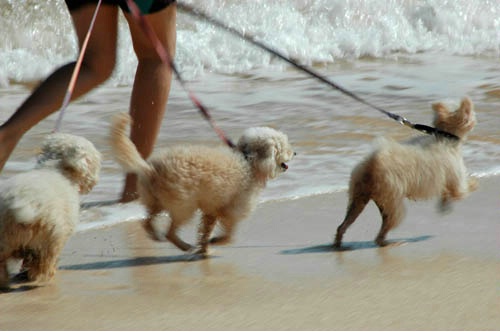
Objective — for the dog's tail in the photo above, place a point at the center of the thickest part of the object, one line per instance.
(124, 150)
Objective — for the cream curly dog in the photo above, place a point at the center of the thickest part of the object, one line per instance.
(221, 182)
(419, 169)
(39, 209)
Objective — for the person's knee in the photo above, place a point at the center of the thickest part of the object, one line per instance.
(103, 71)
(101, 67)
(154, 65)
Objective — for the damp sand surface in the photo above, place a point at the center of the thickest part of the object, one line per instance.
(280, 273)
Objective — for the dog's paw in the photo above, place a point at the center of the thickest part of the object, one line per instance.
(220, 240)
(388, 244)
(199, 253)
(473, 184)
(445, 207)
(340, 247)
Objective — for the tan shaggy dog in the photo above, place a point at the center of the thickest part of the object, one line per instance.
(422, 168)
(221, 182)
(39, 209)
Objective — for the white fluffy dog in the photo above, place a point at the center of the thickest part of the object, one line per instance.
(221, 182)
(39, 209)
(419, 169)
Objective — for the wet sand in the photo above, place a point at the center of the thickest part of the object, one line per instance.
(281, 274)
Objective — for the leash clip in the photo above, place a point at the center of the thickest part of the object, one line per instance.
(404, 122)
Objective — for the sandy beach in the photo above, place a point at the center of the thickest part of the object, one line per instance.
(281, 274)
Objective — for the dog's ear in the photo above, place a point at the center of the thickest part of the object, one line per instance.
(261, 154)
(466, 108)
(76, 157)
(441, 110)
(267, 159)
(257, 149)
(78, 166)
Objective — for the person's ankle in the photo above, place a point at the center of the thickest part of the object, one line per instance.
(128, 197)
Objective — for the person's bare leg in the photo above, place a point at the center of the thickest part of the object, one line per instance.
(47, 98)
(151, 86)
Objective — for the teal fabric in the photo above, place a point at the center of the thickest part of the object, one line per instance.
(144, 5)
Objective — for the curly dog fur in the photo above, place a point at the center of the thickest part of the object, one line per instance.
(421, 168)
(39, 209)
(221, 182)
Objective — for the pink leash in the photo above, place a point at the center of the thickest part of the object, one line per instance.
(76, 70)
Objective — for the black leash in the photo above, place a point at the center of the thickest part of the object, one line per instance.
(420, 127)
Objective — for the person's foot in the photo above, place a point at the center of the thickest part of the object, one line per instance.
(128, 197)
(129, 192)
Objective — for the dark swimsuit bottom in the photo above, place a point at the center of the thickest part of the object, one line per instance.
(146, 6)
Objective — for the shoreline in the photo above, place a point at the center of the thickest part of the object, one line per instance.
(281, 273)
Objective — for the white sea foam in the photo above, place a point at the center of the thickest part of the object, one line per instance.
(37, 38)
(104, 216)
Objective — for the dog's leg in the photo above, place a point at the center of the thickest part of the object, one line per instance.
(48, 263)
(160, 235)
(355, 208)
(177, 241)
(205, 229)
(220, 240)
(472, 184)
(445, 202)
(154, 209)
(392, 213)
(459, 192)
(27, 256)
(360, 193)
(228, 226)
(457, 187)
(33, 266)
(151, 230)
(454, 193)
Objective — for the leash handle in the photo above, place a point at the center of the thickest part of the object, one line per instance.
(249, 38)
(166, 58)
(76, 70)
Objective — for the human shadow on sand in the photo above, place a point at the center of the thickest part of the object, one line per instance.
(136, 261)
(350, 246)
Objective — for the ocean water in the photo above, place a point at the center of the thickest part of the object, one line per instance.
(401, 55)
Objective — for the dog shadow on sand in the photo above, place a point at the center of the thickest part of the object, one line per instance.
(20, 283)
(351, 246)
(136, 261)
